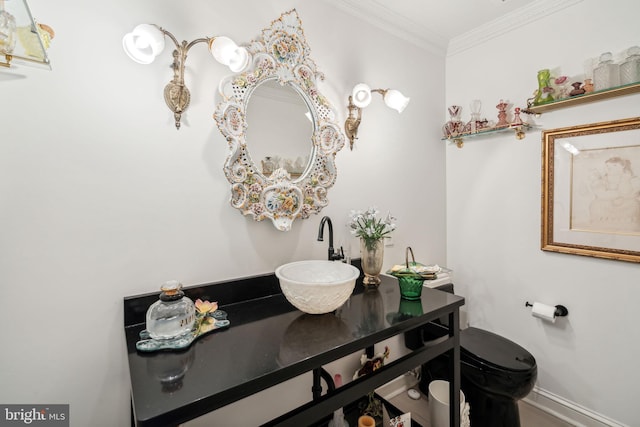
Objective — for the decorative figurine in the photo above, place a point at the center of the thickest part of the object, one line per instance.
(577, 90)
(588, 85)
(561, 89)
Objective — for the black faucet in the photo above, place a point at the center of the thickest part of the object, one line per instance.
(334, 255)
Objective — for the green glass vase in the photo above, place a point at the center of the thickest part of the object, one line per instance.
(544, 93)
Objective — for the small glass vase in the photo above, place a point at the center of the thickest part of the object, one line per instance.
(544, 92)
(372, 252)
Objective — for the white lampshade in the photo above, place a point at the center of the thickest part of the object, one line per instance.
(361, 95)
(144, 43)
(226, 52)
(396, 100)
(240, 60)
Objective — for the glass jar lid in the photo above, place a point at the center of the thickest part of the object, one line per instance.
(171, 291)
(606, 57)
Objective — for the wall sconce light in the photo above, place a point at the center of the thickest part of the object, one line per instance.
(146, 41)
(360, 98)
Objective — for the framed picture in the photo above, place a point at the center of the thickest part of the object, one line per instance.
(591, 190)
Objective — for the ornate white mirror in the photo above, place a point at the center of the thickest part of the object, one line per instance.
(281, 131)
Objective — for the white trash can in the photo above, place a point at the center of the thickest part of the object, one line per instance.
(439, 405)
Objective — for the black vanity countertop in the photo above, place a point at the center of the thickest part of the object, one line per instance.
(268, 342)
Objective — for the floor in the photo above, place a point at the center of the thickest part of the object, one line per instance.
(530, 416)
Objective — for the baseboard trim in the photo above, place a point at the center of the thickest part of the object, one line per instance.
(397, 386)
(567, 411)
(541, 399)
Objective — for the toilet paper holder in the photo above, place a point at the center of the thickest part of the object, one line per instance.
(561, 310)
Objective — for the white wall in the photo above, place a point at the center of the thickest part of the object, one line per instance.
(102, 198)
(493, 214)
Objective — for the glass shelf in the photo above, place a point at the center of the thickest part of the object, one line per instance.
(459, 139)
(29, 39)
(584, 99)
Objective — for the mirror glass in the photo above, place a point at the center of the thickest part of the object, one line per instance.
(274, 117)
(279, 129)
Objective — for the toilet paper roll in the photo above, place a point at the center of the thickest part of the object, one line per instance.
(544, 312)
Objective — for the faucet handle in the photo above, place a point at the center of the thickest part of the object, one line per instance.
(337, 254)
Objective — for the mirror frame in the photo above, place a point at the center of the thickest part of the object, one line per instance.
(281, 52)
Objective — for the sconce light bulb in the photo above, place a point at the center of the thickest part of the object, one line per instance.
(396, 100)
(361, 95)
(141, 43)
(228, 53)
(144, 43)
(239, 60)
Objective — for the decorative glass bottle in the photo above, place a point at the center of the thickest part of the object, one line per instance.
(607, 74)
(474, 124)
(502, 114)
(630, 68)
(173, 315)
(7, 31)
(268, 166)
(453, 127)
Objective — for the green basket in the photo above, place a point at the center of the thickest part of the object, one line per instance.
(409, 280)
(410, 287)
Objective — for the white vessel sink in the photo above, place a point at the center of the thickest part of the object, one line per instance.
(317, 286)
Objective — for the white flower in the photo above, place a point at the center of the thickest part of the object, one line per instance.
(367, 226)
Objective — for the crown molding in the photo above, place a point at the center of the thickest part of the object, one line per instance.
(506, 23)
(393, 23)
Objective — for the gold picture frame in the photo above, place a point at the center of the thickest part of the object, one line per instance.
(591, 190)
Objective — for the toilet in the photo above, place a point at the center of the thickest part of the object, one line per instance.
(495, 372)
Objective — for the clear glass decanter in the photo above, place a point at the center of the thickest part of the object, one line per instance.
(607, 74)
(173, 315)
(630, 68)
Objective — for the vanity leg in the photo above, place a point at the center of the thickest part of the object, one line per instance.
(369, 351)
(454, 368)
(318, 375)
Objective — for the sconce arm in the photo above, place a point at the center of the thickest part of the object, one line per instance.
(382, 92)
(176, 94)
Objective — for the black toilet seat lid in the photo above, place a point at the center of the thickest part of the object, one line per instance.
(494, 350)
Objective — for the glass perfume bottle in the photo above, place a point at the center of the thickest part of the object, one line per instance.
(7, 31)
(630, 68)
(607, 74)
(454, 126)
(268, 166)
(474, 124)
(173, 315)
